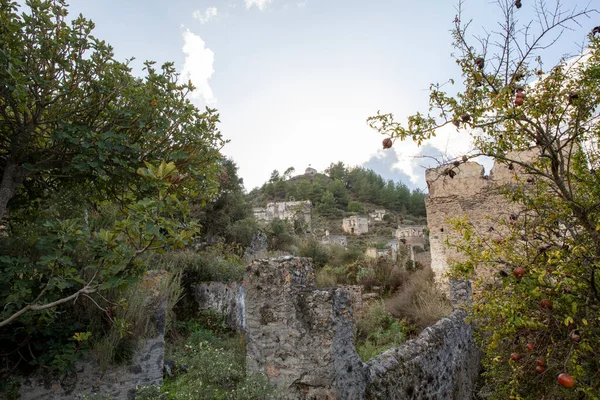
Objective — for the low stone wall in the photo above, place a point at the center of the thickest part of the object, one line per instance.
(441, 364)
(226, 298)
(300, 337)
(118, 382)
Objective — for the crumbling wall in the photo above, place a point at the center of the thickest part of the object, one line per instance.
(302, 339)
(355, 295)
(340, 240)
(468, 193)
(441, 364)
(285, 210)
(226, 298)
(299, 336)
(355, 225)
(118, 382)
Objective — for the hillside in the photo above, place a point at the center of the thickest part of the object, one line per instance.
(340, 190)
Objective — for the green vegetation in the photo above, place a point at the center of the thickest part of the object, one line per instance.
(105, 175)
(342, 190)
(214, 363)
(89, 186)
(536, 273)
(377, 331)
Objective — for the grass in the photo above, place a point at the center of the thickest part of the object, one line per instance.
(130, 320)
(419, 301)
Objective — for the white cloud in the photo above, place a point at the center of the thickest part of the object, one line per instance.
(302, 4)
(260, 4)
(198, 66)
(207, 15)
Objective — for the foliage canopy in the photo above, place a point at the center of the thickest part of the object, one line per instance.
(96, 167)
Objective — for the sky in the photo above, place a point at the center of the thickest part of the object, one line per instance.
(295, 80)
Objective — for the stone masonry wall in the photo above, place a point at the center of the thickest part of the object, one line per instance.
(226, 298)
(118, 382)
(441, 364)
(288, 210)
(468, 194)
(301, 337)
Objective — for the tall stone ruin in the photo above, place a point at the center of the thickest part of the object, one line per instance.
(299, 336)
(472, 194)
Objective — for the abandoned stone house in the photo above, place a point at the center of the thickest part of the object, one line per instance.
(355, 225)
(285, 210)
(411, 234)
(340, 240)
(377, 215)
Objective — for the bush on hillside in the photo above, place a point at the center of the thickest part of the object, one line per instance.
(314, 249)
(419, 301)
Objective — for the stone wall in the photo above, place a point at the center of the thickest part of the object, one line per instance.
(300, 337)
(340, 240)
(442, 363)
(355, 225)
(469, 193)
(226, 298)
(118, 382)
(286, 210)
(377, 215)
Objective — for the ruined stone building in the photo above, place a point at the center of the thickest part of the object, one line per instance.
(355, 225)
(472, 194)
(390, 250)
(411, 234)
(377, 215)
(340, 240)
(285, 210)
(301, 338)
(374, 252)
(310, 171)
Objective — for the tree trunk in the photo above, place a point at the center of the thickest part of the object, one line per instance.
(11, 179)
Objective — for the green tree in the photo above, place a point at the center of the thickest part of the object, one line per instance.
(339, 191)
(337, 171)
(96, 165)
(356, 207)
(229, 206)
(71, 113)
(540, 312)
(327, 205)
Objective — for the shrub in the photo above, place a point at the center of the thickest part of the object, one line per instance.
(356, 207)
(216, 368)
(216, 263)
(419, 301)
(325, 278)
(129, 320)
(339, 256)
(280, 235)
(366, 277)
(377, 331)
(241, 232)
(315, 250)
